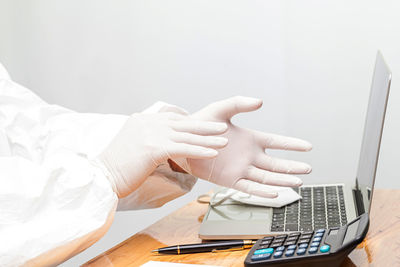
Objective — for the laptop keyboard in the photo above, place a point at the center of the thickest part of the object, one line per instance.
(321, 207)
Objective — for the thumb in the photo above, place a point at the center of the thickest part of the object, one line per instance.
(164, 107)
(227, 108)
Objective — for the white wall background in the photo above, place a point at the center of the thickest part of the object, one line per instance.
(311, 62)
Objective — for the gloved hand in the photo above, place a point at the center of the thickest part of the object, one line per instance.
(147, 140)
(243, 164)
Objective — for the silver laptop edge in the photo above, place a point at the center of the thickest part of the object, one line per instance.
(357, 193)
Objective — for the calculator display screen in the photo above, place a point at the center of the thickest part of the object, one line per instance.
(351, 232)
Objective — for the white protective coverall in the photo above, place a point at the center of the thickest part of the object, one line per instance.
(54, 202)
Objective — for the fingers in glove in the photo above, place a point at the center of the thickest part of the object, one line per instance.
(200, 140)
(254, 188)
(179, 150)
(173, 116)
(275, 141)
(199, 127)
(226, 109)
(160, 106)
(273, 164)
(270, 178)
(174, 109)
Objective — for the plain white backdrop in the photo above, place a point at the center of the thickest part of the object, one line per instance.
(310, 61)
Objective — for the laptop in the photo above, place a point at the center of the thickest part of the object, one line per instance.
(321, 206)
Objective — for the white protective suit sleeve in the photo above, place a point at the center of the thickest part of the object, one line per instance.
(54, 202)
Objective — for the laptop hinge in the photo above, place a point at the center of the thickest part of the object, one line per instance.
(358, 197)
(357, 188)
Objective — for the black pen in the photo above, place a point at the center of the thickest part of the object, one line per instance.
(220, 246)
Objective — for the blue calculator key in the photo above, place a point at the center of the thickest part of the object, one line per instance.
(289, 253)
(313, 250)
(314, 244)
(261, 257)
(304, 245)
(301, 251)
(316, 239)
(319, 234)
(281, 248)
(268, 238)
(264, 251)
(325, 248)
(291, 247)
(320, 231)
(278, 254)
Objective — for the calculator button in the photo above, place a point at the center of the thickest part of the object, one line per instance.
(289, 253)
(308, 233)
(278, 254)
(304, 245)
(288, 243)
(264, 251)
(293, 234)
(319, 234)
(281, 248)
(265, 242)
(261, 257)
(275, 245)
(314, 244)
(291, 238)
(279, 240)
(291, 247)
(268, 238)
(301, 251)
(325, 248)
(263, 246)
(304, 241)
(320, 231)
(305, 236)
(316, 239)
(313, 250)
(280, 236)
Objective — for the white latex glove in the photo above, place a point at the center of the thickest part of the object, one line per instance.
(243, 164)
(147, 140)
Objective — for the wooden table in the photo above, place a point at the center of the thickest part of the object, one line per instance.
(380, 248)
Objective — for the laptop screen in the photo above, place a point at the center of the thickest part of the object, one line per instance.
(373, 132)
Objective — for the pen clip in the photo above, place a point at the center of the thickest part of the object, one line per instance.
(227, 250)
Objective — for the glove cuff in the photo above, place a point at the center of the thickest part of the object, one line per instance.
(180, 165)
(101, 165)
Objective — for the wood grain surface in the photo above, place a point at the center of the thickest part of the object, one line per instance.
(380, 248)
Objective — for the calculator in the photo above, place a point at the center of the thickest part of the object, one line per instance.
(323, 247)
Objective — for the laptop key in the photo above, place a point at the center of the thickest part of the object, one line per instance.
(279, 210)
(291, 227)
